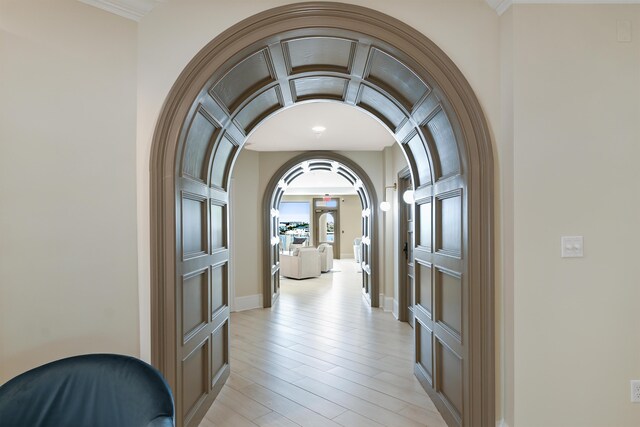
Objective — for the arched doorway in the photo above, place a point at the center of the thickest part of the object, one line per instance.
(366, 59)
(275, 190)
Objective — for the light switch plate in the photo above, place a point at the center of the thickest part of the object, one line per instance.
(572, 246)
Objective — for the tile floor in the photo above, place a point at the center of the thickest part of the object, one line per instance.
(321, 357)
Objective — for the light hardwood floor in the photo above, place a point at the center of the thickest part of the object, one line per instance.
(321, 357)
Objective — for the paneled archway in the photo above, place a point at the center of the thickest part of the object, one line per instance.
(352, 172)
(366, 59)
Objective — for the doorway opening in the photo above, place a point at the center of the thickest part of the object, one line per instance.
(359, 57)
(326, 219)
(356, 176)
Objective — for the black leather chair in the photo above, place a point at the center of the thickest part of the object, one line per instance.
(94, 390)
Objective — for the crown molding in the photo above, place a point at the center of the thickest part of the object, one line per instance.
(130, 9)
(501, 6)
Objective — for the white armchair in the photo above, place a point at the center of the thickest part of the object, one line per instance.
(326, 257)
(357, 250)
(302, 264)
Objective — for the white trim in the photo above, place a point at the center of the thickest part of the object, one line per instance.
(247, 303)
(501, 6)
(396, 309)
(386, 303)
(501, 423)
(130, 9)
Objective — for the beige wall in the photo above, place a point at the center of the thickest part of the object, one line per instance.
(504, 227)
(350, 224)
(246, 228)
(68, 261)
(576, 106)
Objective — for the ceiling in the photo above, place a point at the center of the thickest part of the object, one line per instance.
(347, 128)
(137, 9)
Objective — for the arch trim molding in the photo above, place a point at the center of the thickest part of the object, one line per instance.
(476, 156)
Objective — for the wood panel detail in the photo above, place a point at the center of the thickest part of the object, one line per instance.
(195, 369)
(446, 148)
(195, 302)
(202, 132)
(425, 225)
(449, 383)
(224, 152)
(319, 53)
(420, 158)
(244, 79)
(395, 78)
(258, 108)
(219, 353)
(449, 223)
(219, 286)
(194, 225)
(322, 87)
(425, 290)
(381, 106)
(426, 349)
(218, 226)
(449, 300)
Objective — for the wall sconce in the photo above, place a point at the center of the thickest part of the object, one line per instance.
(384, 205)
(409, 197)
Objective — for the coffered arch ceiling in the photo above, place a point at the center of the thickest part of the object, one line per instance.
(362, 58)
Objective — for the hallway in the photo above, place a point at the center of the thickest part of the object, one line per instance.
(321, 357)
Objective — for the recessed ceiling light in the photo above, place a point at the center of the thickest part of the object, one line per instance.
(318, 129)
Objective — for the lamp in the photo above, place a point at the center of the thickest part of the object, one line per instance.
(409, 197)
(384, 205)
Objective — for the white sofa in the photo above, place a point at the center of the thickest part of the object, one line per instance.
(301, 264)
(326, 257)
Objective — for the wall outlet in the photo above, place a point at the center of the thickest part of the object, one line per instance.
(635, 391)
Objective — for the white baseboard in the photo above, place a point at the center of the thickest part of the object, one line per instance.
(247, 303)
(396, 308)
(501, 423)
(386, 303)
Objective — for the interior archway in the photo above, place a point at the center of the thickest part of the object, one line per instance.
(353, 173)
(363, 58)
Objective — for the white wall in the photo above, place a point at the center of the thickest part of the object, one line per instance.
(576, 106)
(67, 183)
